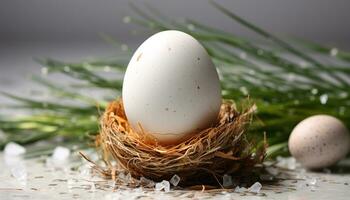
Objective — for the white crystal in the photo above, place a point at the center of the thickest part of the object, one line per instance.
(175, 180)
(244, 90)
(107, 68)
(44, 70)
(60, 154)
(314, 91)
(333, 52)
(190, 27)
(255, 188)
(312, 181)
(323, 98)
(164, 185)
(126, 19)
(301, 174)
(19, 172)
(226, 180)
(240, 189)
(14, 149)
(159, 186)
(124, 47)
(243, 55)
(66, 68)
(85, 171)
(343, 95)
(289, 163)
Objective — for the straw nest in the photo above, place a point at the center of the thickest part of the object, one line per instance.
(200, 160)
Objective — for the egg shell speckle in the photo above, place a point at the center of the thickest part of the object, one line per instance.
(319, 141)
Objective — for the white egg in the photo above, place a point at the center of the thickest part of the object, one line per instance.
(319, 141)
(171, 87)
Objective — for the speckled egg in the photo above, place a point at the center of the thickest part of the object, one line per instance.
(319, 141)
(171, 87)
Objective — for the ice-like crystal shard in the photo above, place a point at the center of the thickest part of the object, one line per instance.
(164, 185)
(175, 180)
(14, 149)
(226, 180)
(255, 188)
(60, 154)
(19, 172)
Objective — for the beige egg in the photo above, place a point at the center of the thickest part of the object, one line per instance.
(319, 141)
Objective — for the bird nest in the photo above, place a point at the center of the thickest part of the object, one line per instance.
(202, 159)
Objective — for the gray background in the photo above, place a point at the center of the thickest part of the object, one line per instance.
(79, 20)
(68, 29)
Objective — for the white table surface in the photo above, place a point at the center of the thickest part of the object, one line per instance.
(75, 180)
(47, 183)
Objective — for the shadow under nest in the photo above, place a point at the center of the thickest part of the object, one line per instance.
(202, 159)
